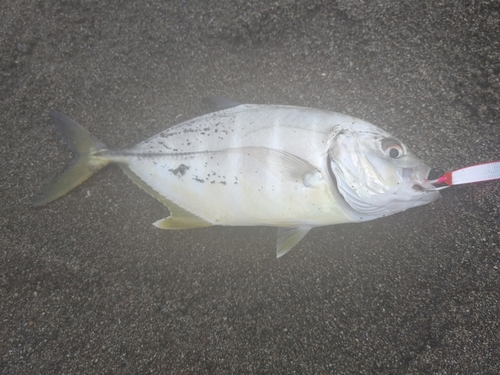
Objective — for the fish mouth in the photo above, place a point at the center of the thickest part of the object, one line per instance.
(419, 177)
(423, 186)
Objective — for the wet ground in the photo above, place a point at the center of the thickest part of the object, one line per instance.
(89, 286)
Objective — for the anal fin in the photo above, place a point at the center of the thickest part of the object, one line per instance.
(288, 238)
(179, 217)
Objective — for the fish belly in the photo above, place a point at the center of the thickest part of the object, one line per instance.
(228, 188)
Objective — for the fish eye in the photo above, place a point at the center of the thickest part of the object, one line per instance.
(392, 148)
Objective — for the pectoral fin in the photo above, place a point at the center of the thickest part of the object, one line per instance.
(288, 238)
(281, 163)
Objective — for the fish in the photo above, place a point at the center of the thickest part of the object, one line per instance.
(294, 168)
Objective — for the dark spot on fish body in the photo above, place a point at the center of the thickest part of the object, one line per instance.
(180, 170)
(167, 134)
(222, 182)
(199, 180)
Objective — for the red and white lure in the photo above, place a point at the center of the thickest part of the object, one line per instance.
(474, 173)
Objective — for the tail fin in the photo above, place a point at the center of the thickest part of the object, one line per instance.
(85, 146)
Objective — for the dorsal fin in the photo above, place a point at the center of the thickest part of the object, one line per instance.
(218, 103)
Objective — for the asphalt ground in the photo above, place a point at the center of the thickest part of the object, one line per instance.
(89, 286)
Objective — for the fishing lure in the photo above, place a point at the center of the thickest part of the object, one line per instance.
(474, 173)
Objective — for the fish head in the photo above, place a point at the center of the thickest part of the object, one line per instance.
(375, 173)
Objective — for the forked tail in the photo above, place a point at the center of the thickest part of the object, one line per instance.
(87, 162)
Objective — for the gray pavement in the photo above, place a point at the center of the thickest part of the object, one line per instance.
(89, 286)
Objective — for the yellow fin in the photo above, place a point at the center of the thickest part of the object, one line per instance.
(85, 146)
(179, 217)
(178, 220)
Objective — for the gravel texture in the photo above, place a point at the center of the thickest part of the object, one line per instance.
(89, 286)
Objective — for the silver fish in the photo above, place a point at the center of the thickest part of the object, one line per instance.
(290, 167)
